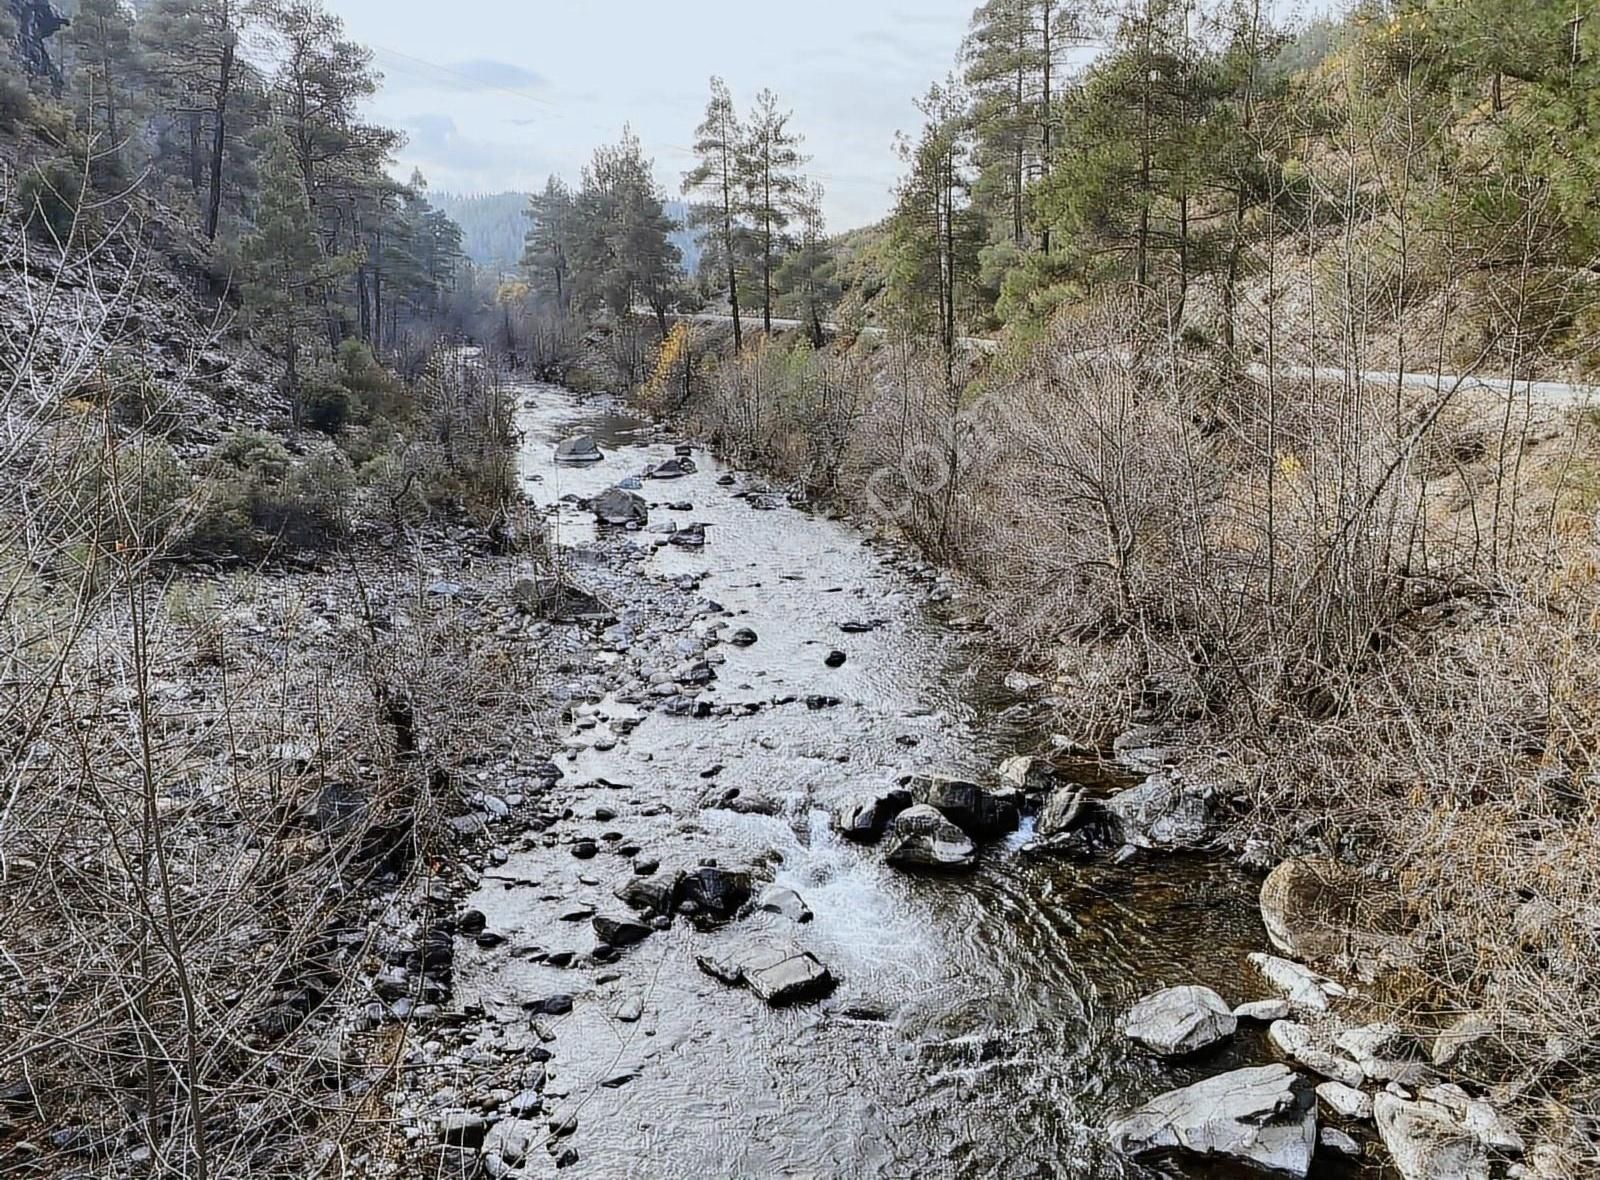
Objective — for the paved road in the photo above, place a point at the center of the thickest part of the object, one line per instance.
(1560, 394)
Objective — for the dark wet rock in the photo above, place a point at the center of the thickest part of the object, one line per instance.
(17, 1096)
(1264, 1118)
(471, 922)
(584, 849)
(816, 701)
(582, 449)
(1167, 812)
(650, 895)
(725, 481)
(461, 1128)
(675, 468)
(563, 1121)
(490, 939)
(690, 536)
(860, 626)
(785, 902)
(787, 976)
(619, 508)
(1179, 1021)
(558, 1004)
(566, 1157)
(835, 659)
(922, 838)
(620, 932)
(716, 891)
(864, 816)
(1065, 809)
(743, 637)
(978, 811)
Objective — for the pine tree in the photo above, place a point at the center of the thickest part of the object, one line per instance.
(192, 46)
(809, 277)
(106, 70)
(715, 182)
(935, 233)
(547, 258)
(769, 174)
(285, 267)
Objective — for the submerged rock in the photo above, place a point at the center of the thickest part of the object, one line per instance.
(1181, 1020)
(922, 838)
(1263, 1117)
(675, 468)
(619, 508)
(582, 449)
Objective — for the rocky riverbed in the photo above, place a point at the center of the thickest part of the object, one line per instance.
(687, 954)
(804, 887)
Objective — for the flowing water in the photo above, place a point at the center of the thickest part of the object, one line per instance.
(972, 1033)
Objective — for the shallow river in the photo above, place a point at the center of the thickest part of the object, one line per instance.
(972, 1032)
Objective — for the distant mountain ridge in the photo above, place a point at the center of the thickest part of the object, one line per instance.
(493, 226)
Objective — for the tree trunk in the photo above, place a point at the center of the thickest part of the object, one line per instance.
(1045, 114)
(196, 169)
(219, 139)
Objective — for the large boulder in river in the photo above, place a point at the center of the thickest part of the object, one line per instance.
(1264, 1118)
(715, 891)
(978, 811)
(619, 508)
(671, 469)
(653, 896)
(1308, 906)
(1181, 1020)
(863, 816)
(786, 976)
(1167, 812)
(922, 838)
(581, 449)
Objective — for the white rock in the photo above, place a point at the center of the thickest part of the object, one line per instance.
(1181, 1020)
(1265, 1011)
(1300, 1044)
(1264, 1117)
(1335, 1140)
(1345, 1101)
(1300, 984)
(1427, 1143)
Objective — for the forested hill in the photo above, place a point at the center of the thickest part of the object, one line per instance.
(494, 226)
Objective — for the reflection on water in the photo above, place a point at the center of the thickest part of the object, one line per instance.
(973, 1031)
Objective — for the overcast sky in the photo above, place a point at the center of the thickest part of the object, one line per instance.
(498, 94)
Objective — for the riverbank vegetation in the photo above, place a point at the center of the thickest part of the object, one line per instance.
(237, 702)
(1182, 460)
